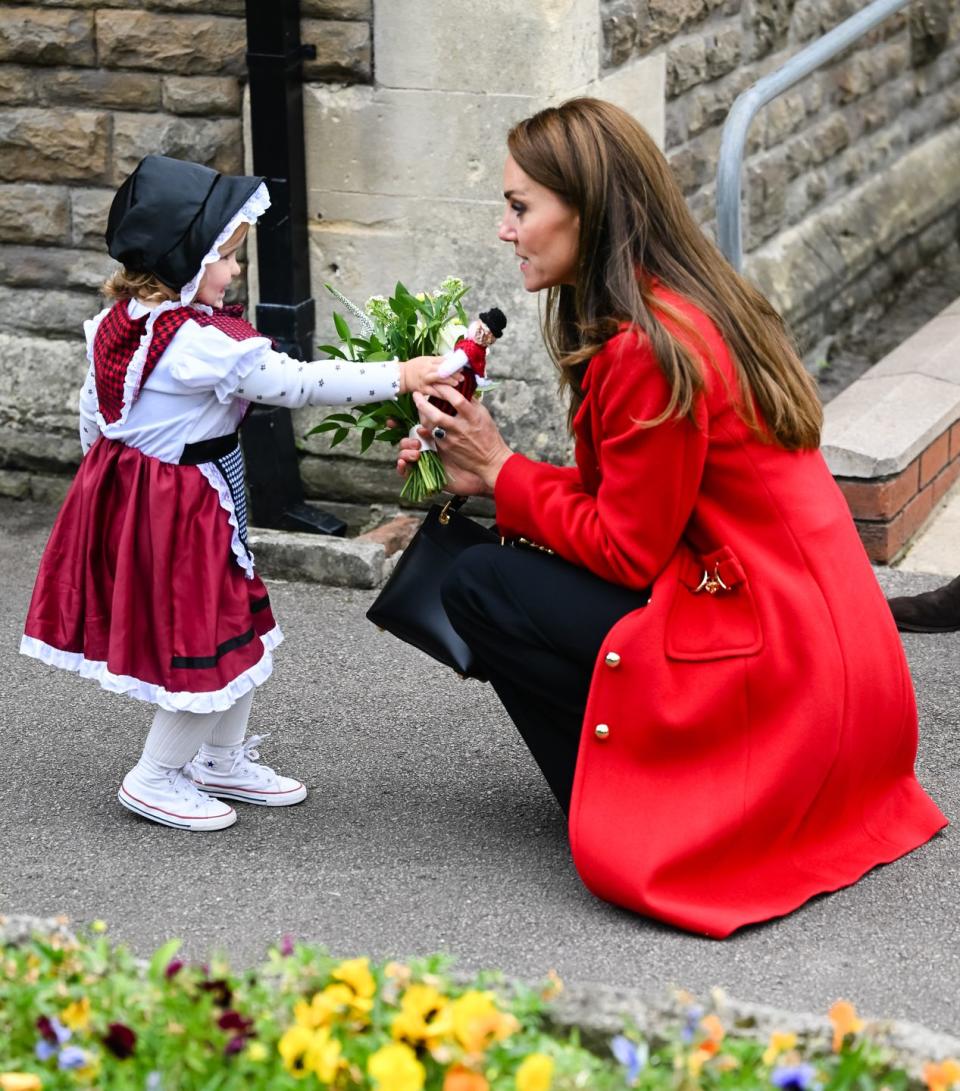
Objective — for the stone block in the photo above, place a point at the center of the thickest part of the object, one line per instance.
(551, 45)
(53, 145)
(724, 50)
(49, 266)
(877, 426)
(47, 36)
(215, 142)
(32, 213)
(187, 45)
(14, 484)
(88, 216)
(337, 9)
(102, 89)
(199, 95)
(18, 85)
(50, 313)
(686, 64)
(376, 140)
(619, 27)
(343, 50)
(198, 7)
(316, 558)
(664, 19)
(49, 488)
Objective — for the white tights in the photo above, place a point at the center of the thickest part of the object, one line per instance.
(175, 737)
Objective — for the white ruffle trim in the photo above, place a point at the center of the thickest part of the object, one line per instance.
(183, 701)
(253, 209)
(131, 380)
(244, 557)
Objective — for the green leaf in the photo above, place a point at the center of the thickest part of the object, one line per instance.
(332, 350)
(161, 958)
(342, 328)
(367, 436)
(339, 436)
(325, 426)
(346, 418)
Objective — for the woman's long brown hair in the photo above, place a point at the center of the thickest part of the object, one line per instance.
(635, 226)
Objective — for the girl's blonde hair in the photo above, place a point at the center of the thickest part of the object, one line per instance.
(635, 227)
(124, 284)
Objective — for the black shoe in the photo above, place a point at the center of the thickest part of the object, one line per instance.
(930, 612)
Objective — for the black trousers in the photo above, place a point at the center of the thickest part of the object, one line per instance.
(535, 623)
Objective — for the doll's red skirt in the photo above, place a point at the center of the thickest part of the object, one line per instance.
(140, 589)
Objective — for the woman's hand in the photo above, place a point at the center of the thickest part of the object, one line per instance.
(422, 374)
(472, 450)
(459, 482)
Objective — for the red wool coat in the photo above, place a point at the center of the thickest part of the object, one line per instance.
(745, 750)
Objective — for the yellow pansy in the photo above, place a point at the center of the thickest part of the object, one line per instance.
(535, 1073)
(256, 1052)
(293, 1046)
(99, 927)
(942, 1076)
(424, 1016)
(477, 1022)
(76, 1015)
(780, 1042)
(19, 1081)
(305, 1051)
(396, 1068)
(324, 1006)
(843, 1015)
(355, 972)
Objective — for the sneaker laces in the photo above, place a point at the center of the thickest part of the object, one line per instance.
(183, 786)
(249, 753)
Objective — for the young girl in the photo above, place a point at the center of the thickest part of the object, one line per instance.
(147, 583)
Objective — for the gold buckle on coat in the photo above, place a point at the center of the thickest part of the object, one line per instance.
(711, 584)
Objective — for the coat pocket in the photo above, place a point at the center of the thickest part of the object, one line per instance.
(713, 615)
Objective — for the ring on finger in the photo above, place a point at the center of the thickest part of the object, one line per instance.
(439, 433)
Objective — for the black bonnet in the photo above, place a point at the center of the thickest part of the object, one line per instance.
(167, 215)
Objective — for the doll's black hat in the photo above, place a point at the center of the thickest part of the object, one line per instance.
(167, 215)
(495, 321)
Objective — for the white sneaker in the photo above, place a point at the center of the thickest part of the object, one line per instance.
(238, 775)
(167, 796)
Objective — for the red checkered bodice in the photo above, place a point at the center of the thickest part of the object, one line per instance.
(118, 338)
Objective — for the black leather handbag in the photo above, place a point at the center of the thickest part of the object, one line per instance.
(409, 605)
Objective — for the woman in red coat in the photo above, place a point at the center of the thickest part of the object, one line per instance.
(705, 667)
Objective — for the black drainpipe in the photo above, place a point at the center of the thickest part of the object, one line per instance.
(286, 308)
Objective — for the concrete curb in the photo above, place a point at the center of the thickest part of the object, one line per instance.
(601, 1011)
(317, 558)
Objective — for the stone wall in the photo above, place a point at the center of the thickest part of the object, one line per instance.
(850, 182)
(87, 87)
(866, 140)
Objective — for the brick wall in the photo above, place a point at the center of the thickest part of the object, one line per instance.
(86, 89)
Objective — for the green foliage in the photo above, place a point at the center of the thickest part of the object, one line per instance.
(87, 1014)
(399, 328)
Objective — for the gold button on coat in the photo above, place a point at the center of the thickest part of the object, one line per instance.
(602, 731)
(612, 659)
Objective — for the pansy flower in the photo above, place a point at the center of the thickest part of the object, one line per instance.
(120, 1040)
(632, 1055)
(793, 1077)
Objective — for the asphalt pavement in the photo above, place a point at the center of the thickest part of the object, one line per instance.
(427, 828)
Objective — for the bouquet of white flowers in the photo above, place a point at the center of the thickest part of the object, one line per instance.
(399, 328)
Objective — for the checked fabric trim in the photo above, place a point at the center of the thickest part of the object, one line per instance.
(119, 336)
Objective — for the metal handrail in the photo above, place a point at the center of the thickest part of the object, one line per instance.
(743, 111)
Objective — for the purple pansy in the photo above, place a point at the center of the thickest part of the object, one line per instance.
(631, 1055)
(793, 1077)
(71, 1057)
